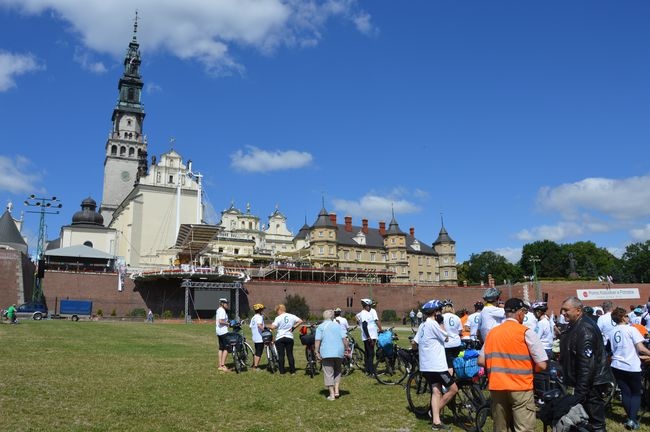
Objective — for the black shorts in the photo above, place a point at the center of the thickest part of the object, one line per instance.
(223, 346)
(443, 378)
(259, 348)
(451, 354)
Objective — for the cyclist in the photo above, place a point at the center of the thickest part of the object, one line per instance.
(285, 323)
(343, 322)
(491, 315)
(430, 343)
(370, 325)
(452, 326)
(222, 329)
(543, 328)
(257, 325)
(473, 320)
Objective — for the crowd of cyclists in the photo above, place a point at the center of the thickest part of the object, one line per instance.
(613, 358)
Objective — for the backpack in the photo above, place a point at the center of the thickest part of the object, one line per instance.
(385, 341)
(466, 366)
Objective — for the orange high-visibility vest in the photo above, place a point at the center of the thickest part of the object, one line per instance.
(509, 364)
(465, 333)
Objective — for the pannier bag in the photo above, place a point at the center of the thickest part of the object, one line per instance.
(267, 335)
(385, 341)
(466, 366)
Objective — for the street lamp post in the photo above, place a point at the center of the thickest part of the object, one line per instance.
(46, 206)
(535, 259)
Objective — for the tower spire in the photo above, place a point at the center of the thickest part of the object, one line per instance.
(135, 25)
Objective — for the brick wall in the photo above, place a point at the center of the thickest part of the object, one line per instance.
(16, 278)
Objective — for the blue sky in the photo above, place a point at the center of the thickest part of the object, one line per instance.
(518, 121)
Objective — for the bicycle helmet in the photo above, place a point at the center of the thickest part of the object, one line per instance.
(337, 311)
(447, 302)
(491, 294)
(431, 306)
(258, 307)
(540, 305)
(366, 302)
(478, 306)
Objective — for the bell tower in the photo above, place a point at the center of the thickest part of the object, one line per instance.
(126, 146)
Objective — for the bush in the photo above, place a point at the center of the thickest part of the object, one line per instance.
(297, 305)
(182, 315)
(388, 315)
(167, 314)
(113, 313)
(138, 312)
(100, 312)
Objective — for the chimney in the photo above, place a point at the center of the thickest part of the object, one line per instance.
(333, 218)
(382, 228)
(364, 226)
(412, 231)
(348, 223)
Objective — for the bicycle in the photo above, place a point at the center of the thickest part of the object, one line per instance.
(242, 353)
(391, 366)
(308, 339)
(271, 353)
(357, 356)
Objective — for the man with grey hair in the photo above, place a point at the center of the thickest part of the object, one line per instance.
(584, 363)
(331, 345)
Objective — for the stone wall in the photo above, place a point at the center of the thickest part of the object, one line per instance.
(16, 278)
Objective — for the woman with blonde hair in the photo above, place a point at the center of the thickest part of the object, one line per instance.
(285, 323)
(453, 327)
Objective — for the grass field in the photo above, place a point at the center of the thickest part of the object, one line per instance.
(123, 376)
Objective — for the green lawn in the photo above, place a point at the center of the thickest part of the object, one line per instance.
(122, 376)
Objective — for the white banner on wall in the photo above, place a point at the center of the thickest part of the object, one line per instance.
(609, 293)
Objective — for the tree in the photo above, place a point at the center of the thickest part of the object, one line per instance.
(297, 305)
(551, 262)
(636, 261)
(479, 266)
(591, 261)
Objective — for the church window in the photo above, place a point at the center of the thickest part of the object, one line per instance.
(250, 225)
(122, 151)
(157, 177)
(243, 225)
(171, 179)
(88, 243)
(277, 227)
(131, 152)
(131, 95)
(128, 122)
(114, 150)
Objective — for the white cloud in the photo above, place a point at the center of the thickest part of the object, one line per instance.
(558, 232)
(197, 29)
(13, 65)
(616, 251)
(84, 58)
(513, 255)
(152, 88)
(18, 176)
(258, 160)
(623, 199)
(641, 234)
(376, 206)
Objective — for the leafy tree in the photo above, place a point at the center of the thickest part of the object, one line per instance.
(297, 305)
(636, 262)
(479, 266)
(552, 261)
(591, 261)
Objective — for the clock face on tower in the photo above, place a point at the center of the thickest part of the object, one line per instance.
(125, 176)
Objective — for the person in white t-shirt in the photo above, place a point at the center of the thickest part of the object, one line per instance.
(430, 343)
(257, 325)
(222, 329)
(530, 320)
(474, 320)
(627, 351)
(544, 328)
(605, 323)
(635, 317)
(491, 315)
(452, 327)
(341, 320)
(370, 326)
(285, 323)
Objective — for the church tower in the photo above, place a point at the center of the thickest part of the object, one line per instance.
(126, 148)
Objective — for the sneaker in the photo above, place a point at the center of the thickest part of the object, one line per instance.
(440, 427)
(331, 398)
(631, 425)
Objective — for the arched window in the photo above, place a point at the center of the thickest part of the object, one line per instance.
(122, 151)
(131, 94)
(250, 225)
(88, 243)
(131, 151)
(114, 150)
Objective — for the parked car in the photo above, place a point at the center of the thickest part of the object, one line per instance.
(32, 310)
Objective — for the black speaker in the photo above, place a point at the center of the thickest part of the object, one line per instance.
(41, 269)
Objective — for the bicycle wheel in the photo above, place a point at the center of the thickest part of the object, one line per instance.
(346, 366)
(311, 364)
(237, 360)
(248, 355)
(390, 370)
(466, 404)
(359, 358)
(272, 357)
(418, 394)
(481, 418)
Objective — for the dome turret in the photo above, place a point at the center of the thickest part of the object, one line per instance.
(88, 214)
